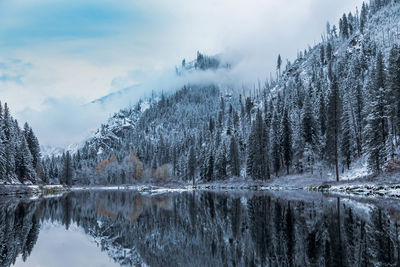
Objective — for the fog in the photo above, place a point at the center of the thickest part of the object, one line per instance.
(58, 56)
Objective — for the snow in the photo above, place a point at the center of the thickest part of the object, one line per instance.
(358, 170)
(362, 207)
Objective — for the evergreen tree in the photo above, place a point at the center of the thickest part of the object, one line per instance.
(257, 158)
(309, 129)
(376, 120)
(221, 163)
(191, 165)
(211, 125)
(33, 144)
(333, 130)
(345, 27)
(309, 133)
(234, 158)
(359, 118)
(322, 115)
(329, 52)
(67, 169)
(275, 144)
(278, 65)
(363, 17)
(210, 168)
(23, 163)
(9, 143)
(287, 140)
(393, 89)
(346, 141)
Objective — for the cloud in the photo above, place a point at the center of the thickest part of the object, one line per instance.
(12, 71)
(64, 121)
(72, 52)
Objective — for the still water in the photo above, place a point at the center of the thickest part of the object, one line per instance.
(114, 228)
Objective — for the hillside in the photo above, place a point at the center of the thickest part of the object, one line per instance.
(334, 108)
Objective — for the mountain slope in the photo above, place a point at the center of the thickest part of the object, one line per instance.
(336, 104)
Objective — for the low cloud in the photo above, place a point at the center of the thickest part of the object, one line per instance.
(71, 53)
(64, 121)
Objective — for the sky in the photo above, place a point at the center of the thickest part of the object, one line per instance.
(59, 247)
(56, 56)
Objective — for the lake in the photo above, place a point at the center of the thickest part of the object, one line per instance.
(234, 228)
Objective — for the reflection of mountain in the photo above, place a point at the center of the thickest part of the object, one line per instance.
(208, 229)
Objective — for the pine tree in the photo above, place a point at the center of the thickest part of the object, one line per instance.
(287, 140)
(210, 167)
(3, 166)
(234, 158)
(221, 163)
(309, 133)
(67, 169)
(376, 119)
(278, 65)
(211, 125)
(23, 163)
(174, 161)
(9, 143)
(345, 27)
(322, 115)
(275, 144)
(329, 52)
(359, 118)
(346, 141)
(363, 17)
(257, 153)
(393, 89)
(33, 144)
(309, 129)
(191, 165)
(379, 84)
(251, 152)
(333, 130)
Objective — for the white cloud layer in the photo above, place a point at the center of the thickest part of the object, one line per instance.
(70, 53)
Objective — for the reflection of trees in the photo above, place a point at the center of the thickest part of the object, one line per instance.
(19, 229)
(207, 229)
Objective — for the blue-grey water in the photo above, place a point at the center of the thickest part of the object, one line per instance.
(116, 228)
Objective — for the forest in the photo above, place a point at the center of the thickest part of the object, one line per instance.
(336, 106)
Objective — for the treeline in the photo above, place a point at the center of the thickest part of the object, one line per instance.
(20, 160)
(338, 102)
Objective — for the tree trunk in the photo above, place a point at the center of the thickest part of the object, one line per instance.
(336, 157)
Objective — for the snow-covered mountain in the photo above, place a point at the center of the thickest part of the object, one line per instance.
(203, 63)
(338, 102)
(116, 128)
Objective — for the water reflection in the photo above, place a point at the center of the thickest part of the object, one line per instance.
(209, 229)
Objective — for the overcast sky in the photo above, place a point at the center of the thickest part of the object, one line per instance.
(57, 55)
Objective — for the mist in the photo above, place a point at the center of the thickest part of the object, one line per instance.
(59, 56)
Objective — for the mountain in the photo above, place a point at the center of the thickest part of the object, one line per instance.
(203, 63)
(336, 105)
(115, 96)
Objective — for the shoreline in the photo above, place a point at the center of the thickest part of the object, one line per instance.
(383, 186)
(19, 190)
